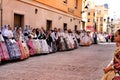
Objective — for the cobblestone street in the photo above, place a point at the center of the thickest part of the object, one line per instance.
(84, 63)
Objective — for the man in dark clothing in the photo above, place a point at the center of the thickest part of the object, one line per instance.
(95, 37)
(112, 38)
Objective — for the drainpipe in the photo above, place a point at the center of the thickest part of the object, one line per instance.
(1, 13)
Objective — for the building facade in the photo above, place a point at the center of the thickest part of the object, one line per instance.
(65, 14)
(96, 17)
(116, 25)
(90, 20)
(101, 18)
(84, 13)
(90, 16)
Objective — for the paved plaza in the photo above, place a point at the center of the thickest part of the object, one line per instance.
(84, 63)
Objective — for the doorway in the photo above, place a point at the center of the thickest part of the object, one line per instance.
(83, 25)
(75, 28)
(18, 20)
(65, 26)
(49, 25)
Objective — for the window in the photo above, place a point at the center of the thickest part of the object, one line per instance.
(101, 24)
(75, 28)
(76, 4)
(65, 1)
(93, 14)
(101, 19)
(49, 25)
(79, 22)
(70, 20)
(88, 13)
(104, 20)
(64, 26)
(88, 20)
(97, 18)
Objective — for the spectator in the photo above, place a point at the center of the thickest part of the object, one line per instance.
(95, 37)
(113, 69)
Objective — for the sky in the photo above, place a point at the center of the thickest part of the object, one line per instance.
(114, 7)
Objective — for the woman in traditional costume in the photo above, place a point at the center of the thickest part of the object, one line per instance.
(101, 38)
(82, 34)
(19, 37)
(112, 71)
(43, 42)
(75, 39)
(13, 49)
(35, 39)
(3, 49)
(71, 40)
(89, 39)
(66, 40)
(33, 34)
(61, 43)
(86, 39)
(54, 47)
(26, 32)
(31, 46)
(49, 40)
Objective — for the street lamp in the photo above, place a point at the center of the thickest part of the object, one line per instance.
(85, 8)
(83, 13)
(95, 26)
(111, 26)
(1, 12)
(108, 23)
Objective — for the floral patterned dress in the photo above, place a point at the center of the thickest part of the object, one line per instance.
(116, 64)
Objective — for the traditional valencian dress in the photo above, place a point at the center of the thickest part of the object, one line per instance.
(26, 32)
(116, 64)
(75, 39)
(36, 43)
(86, 40)
(101, 38)
(43, 43)
(31, 47)
(3, 49)
(22, 45)
(61, 43)
(69, 42)
(13, 49)
(37, 46)
(49, 40)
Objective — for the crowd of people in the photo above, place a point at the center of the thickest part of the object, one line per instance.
(23, 43)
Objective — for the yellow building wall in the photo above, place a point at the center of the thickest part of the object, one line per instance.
(68, 7)
(91, 17)
(101, 13)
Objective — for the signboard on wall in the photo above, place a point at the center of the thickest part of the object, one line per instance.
(89, 28)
